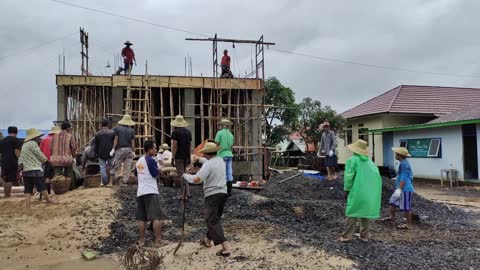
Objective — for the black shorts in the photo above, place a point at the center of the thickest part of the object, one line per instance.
(10, 174)
(331, 161)
(29, 182)
(148, 207)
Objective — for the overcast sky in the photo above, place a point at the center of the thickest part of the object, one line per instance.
(425, 35)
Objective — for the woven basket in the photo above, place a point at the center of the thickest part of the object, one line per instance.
(167, 179)
(132, 180)
(93, 181)
(60, 184)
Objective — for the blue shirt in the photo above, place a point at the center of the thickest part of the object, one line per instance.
(405, 174)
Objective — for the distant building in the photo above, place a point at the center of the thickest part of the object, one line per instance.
(439, 125)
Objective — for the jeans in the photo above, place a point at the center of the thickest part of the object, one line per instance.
(229, 172)
(103, 169)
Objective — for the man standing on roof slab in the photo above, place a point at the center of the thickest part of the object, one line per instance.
(225, 65)
(328, 145)
(363, 188)
(402, 197)
(128, 57)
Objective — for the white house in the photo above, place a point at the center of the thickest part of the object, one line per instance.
(451, 141)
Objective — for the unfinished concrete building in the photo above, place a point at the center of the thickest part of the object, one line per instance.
(153, 102)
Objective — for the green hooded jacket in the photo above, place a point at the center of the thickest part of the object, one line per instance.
(363, 182)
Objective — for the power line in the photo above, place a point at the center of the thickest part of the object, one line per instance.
(372, 65)
(25, 51)
(129, 18)
(276, 50)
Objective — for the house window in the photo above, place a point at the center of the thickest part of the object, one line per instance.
(434, 148)
(348, 135)
(363, 134)
(404, 143)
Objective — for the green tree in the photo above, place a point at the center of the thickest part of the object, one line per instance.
(281, 113)
(312, 115)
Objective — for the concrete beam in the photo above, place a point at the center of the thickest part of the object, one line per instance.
(156, 81)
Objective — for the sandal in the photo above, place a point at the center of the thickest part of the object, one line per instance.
(344, 240)
(387, 219)
(203, 243)
(222, 254)
(403, 227)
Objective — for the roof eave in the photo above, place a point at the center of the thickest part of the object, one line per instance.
(424, 126)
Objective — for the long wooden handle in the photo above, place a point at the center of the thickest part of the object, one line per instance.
(183, 219)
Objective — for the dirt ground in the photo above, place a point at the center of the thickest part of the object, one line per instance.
(53, 236)
(51, 233)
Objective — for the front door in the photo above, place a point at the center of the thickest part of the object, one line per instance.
(470, 158)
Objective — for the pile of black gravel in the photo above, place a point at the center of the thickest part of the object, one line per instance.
(312, 212)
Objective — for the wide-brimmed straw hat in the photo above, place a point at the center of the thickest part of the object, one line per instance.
(127, 120)
(33, 133)
(210, 147)
(179, 121)
(359, 147)
(225, 122)
(401, 151)
(165, 146)
(160, 150)
(128, 43)
(55, 130)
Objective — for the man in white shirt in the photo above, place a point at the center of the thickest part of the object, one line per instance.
(148, 198)
(213, 174)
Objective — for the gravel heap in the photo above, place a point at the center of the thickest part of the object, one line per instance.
(312, 212)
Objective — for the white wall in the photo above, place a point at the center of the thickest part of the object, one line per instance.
(452, 151)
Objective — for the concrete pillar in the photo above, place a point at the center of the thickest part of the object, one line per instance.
(61, 104)
(189, 115)
(117, 100)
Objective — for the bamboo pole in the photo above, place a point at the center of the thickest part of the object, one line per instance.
(161, 114)
(202, 120)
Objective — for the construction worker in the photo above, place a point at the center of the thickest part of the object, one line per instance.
(128, 58)
(123, 150)
(213, 176)
(181, 150)
(224, 138)
(225, 64)
(363, 188)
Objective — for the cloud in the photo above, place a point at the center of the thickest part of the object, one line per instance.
(438, 36)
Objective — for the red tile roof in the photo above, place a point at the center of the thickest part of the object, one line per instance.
(415, 99)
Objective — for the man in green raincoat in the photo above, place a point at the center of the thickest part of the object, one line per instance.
(363, 186)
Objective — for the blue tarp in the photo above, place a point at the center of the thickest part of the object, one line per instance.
(316, 176)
